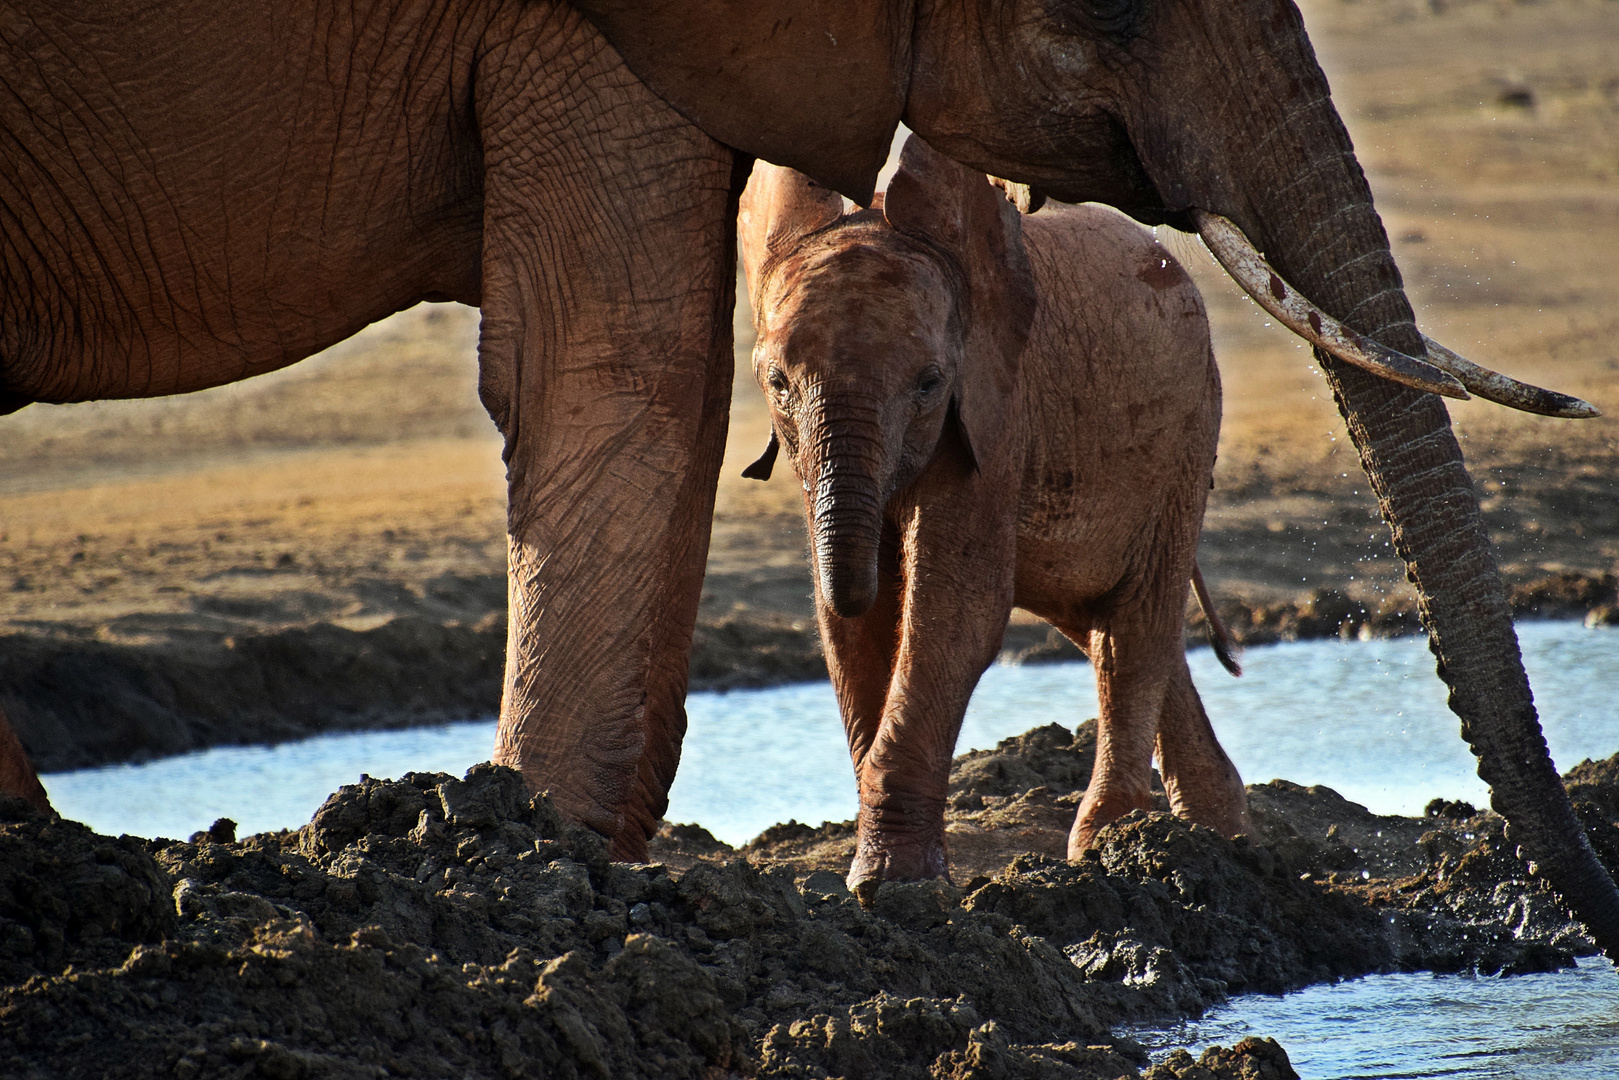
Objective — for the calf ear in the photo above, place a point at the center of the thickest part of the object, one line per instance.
(779, 208)
(958, 211)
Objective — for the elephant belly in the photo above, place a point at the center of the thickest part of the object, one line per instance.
(1079, 560)
(1121, 402)
(188, 211)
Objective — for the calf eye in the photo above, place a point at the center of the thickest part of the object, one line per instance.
(777, 381)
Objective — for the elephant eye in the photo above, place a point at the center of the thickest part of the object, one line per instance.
(777, 381)
(928, 383)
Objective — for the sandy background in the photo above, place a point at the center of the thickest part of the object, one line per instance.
(365, 484)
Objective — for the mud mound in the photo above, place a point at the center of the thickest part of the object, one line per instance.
(68, 895)
(1183, 917)
(1050, 757)
(1597, 783)
(440, 927)
(1474, 904)
(1444, 892)
(432, 926)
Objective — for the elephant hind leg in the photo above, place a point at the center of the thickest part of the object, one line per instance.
(17, 776)
(1133, 664)
(1202, 784)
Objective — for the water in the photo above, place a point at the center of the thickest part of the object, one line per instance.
(1366, 718)
(1528, 1027)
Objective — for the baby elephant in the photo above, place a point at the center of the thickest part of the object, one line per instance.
(988, 412)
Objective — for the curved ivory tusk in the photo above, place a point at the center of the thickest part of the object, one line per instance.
(1493, 386)
(1250, 270)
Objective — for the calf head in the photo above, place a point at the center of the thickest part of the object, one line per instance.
(882, 336)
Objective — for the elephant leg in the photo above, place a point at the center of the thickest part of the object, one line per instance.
(605, 360)
(860, 652)
(1133, 661)
(958, 564)
(17, 776)
(1202, 784)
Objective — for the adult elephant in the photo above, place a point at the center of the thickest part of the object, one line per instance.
(194, 193)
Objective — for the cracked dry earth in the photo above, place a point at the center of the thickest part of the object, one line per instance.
(436, 927)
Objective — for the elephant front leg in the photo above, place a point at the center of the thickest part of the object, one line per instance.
(605, 359)
(958, 574)
(860, 651)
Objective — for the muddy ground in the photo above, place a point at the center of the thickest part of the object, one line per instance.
(436, 927)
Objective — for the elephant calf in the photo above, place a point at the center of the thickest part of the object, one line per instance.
(987, 412)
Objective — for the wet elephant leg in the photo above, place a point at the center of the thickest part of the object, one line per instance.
(860, 652)
(1133, 660)
(1202, 784)
(605, 359)
(958, 578)
(17, 776)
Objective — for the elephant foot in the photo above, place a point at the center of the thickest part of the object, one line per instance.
(892, 855)
(1228, 819)
(629, 845)
(1208, 792)
(1094, 814)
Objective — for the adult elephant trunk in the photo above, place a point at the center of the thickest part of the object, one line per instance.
(846, 510)
(1343, 264)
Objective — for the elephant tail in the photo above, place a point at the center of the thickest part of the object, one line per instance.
(1219, 638)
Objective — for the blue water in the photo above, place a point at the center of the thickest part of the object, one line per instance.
(1528, 1027)
(1366, 718)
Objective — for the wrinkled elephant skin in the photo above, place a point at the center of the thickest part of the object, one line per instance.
(1067, 476)
(1159, 108)
(195, 193)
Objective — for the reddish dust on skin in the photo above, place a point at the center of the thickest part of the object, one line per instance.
(1161, 273)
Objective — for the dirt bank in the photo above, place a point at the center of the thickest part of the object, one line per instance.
(440, 927)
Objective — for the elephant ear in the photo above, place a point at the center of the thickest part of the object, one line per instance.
(957, 210)
(816, 85)
(779, 208)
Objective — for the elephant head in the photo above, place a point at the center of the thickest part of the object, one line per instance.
(879, 334)
(1198, 114)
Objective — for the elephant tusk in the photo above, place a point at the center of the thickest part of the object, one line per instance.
(1250, 270)
(1493, 386)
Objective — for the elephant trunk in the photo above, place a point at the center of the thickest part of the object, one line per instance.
(846, 510)
(1415, 466)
